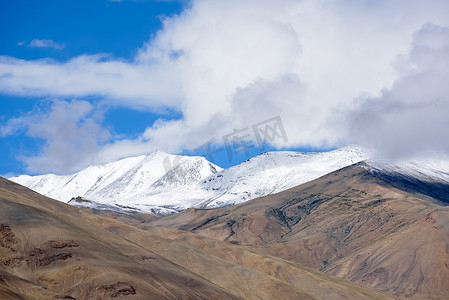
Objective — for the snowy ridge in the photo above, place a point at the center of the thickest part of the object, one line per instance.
(434, 169)
(273, 172)
(166, 183)
(262, 175)
(122, 179)
(162, 183)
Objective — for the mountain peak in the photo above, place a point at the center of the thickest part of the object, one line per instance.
(168, 183)
(175, 182)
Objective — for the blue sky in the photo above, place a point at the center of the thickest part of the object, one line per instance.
(117, 29)
(83, 27)
(88, 82)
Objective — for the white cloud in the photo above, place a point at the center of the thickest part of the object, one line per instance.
(300, 60)
(131, 84)
(71, 132)
(44, 43)
(412, 117)
(229, 64)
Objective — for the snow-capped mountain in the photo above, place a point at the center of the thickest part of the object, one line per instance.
(435, 169)
(123, 179)
(165, 183)
(273, 172)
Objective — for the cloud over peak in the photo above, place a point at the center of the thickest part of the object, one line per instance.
(411, 117)
(230, 64)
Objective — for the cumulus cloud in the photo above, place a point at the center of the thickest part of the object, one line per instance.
(45, 43)
(229, 64)
(71, 131)
(303, 61)
(412, 117)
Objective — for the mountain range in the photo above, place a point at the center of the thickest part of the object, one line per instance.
(51, 250)
(356, 223)
(282, 225)
(162, 184)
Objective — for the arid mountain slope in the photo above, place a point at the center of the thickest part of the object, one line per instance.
(45, 245)
(50, 250)
(351, 223)
(241, 270)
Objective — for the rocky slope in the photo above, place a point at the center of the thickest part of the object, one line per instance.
(386, 230)
(51, 250)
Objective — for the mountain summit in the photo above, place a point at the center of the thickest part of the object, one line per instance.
(163, 183)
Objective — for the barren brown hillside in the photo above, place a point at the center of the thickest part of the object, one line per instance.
(350, 223)
(50, 250)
